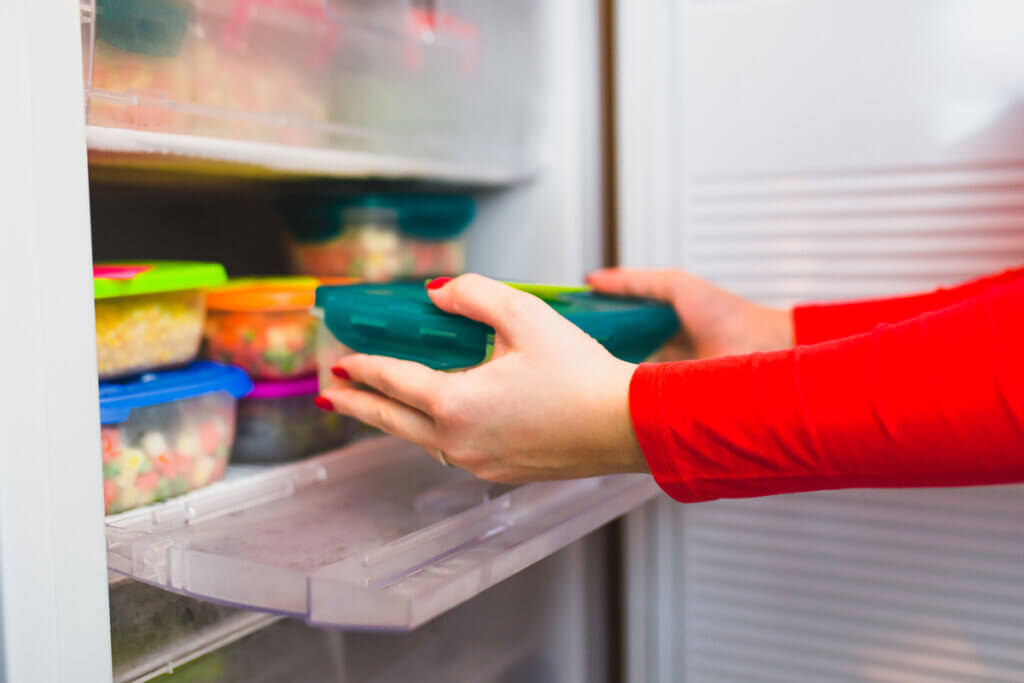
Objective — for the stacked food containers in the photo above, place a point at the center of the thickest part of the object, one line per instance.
(264, 326)
(397, 77)
(169, 422)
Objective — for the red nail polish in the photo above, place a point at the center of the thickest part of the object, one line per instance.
(323, 403)
(438, 282)
(340, 373)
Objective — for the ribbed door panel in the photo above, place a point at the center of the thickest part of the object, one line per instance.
(853, 234)
(826, 150)
(862, 585)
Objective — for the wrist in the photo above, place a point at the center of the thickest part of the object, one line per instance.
(626, 455)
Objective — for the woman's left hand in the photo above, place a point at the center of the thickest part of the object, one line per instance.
(552, 403)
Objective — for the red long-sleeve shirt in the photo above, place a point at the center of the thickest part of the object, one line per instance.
(925, 390)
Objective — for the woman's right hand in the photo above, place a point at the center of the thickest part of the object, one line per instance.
(714, 322)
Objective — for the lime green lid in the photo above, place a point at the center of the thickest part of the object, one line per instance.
(152, 277)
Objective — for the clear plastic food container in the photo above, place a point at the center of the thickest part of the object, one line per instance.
(400, 321)
(167, 433)
(150, 315)
(263, 327)
(278, 422)
(379, 237)
(142, 59)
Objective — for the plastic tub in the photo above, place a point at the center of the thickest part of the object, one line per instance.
(400, 321)
(150, 315)
(167, 433)
(263, 326)
(278, 422)
(379, 237)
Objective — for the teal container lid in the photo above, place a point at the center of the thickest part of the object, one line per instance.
(151, 27)
(399, 320)
(428, 217)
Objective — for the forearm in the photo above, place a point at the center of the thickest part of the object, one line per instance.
(814, 323)
(933, 401)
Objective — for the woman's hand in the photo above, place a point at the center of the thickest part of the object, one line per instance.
(714, 321)
(552, 403)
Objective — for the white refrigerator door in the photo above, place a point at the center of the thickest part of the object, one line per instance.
(792, 150)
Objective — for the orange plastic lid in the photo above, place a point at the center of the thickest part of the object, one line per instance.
(270, 294)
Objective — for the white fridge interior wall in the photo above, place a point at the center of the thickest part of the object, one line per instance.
(550, 229)
(794, 150)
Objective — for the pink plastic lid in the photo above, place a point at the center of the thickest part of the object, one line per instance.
(118, 272)
(302, 386)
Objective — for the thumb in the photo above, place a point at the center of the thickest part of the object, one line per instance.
(516, 316)
(652, 284)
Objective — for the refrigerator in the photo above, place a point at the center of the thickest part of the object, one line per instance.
(786, 149)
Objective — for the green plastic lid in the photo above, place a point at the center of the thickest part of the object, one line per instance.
(428, 217)
(126, 279)
(400, 321)
(150, 27)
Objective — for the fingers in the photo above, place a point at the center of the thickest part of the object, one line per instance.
(515, 315)
(384, 413)
(411, 383)
(652, 284)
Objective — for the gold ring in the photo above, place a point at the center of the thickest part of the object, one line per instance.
(440, 457)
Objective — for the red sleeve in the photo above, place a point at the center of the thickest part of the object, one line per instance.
(937, 400)
(813, 323)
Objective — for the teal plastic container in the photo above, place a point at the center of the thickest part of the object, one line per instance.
(378, 237)
(400, 321)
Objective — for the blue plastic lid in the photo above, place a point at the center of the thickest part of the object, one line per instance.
(119, 398)
(400, 320)
(428, 217)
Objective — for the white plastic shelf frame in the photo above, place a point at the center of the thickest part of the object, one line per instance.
(375, 536)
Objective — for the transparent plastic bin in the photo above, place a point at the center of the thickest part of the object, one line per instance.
(449, 79)
(374, 536)
(149, 315)
(152, 631)
(278, 422)
(168, 433)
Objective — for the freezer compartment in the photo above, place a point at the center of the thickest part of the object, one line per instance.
(467, 644)
(374, 536)
(445, 80)
(153, 631)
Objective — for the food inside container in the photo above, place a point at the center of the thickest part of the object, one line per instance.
(379, 237)
(166, 433)
(264, 60)
(399, 320)
(141, 60)
(278, 422)
(150, 315)
(263, 326)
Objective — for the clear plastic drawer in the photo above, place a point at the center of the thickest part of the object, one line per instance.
(374, 536)
(442, 80)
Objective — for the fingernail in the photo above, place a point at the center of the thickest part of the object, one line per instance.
(438, 282)
(340, 373)
(323, 403)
